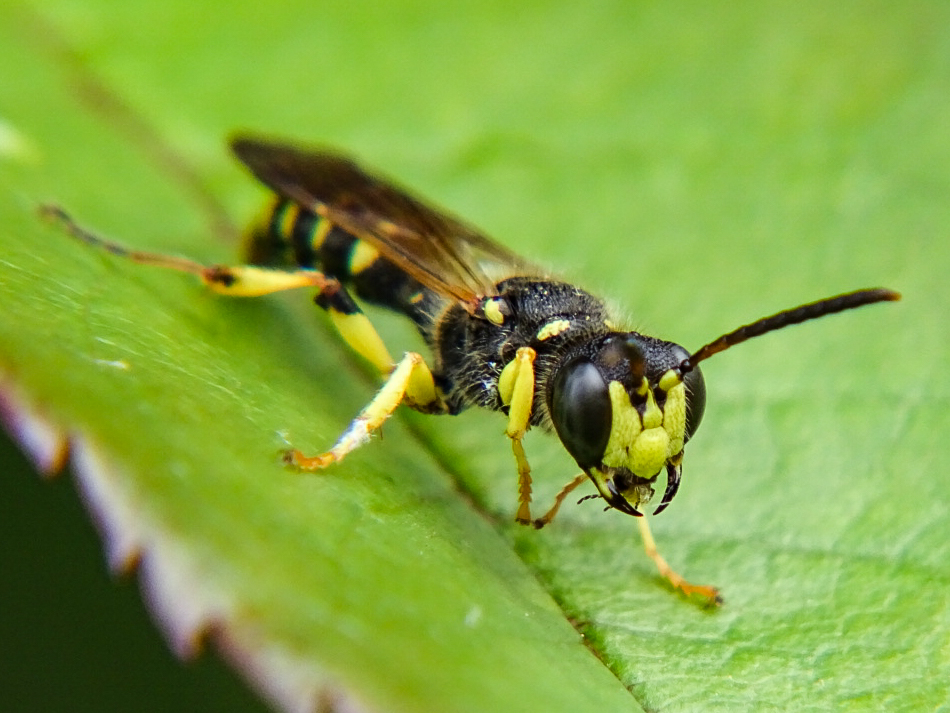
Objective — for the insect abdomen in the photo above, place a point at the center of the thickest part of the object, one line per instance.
(292, 236)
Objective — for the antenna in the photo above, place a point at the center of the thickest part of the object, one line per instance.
(786, 318)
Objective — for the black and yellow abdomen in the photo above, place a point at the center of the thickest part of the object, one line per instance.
(294, 237)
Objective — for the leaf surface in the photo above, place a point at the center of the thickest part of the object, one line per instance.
(703, 167)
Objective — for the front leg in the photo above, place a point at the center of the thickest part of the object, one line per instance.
(516, 388)
(565, 491)
(706, 592)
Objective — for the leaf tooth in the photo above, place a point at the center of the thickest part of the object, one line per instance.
(46, 445)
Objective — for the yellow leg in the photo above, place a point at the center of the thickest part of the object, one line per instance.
(565, 491)
(516, 387)
(238, 281)
(361, 336)
(250, 281)
(246, 281)
(710, 594)
(524, 483)
(411, 380)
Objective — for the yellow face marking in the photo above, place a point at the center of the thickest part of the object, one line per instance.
(624, 428)
(644, 444)
(669, 380)
(362, 256)
(652, 415)
(674, 417)
(650, 453)
(493, 311)
(552, 329)
(643, 388)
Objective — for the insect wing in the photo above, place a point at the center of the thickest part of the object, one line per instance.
(438, 250)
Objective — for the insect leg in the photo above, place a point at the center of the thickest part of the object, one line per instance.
(565, 491)
(236, 281)
(359, 333)
(411, 381)
(355, 328)
(711, 594)
(516, 387)
(254, 281)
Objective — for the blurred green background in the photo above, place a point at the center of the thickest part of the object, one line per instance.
(704, 166)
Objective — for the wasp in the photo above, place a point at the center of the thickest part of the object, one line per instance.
(503, 334)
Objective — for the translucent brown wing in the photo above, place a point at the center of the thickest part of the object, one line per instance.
(438, 250)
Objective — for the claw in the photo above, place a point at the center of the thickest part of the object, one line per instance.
(673, 473)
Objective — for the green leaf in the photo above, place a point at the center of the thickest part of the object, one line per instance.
(702, 165)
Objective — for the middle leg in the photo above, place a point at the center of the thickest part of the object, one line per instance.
(411, 381)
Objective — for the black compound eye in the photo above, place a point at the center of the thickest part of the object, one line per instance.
(695, 400)
(695, 392)
(581, 411)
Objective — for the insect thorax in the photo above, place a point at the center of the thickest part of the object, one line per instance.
(554, 318)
